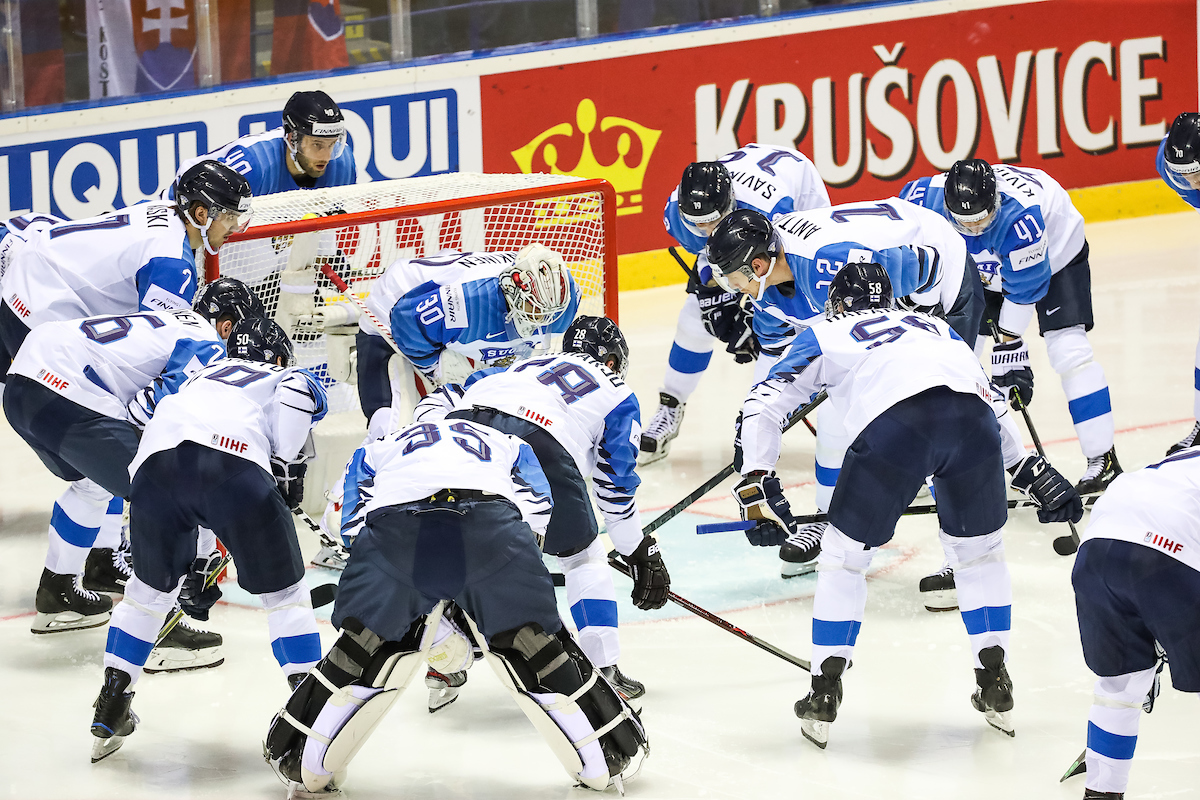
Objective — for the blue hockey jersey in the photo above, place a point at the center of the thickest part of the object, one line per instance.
(262, 159)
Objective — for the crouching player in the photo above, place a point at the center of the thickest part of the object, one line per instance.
(1136, 577)
(449, 511)
(913, 392)
(206, 459)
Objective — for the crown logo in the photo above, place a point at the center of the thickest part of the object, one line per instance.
(626, 178)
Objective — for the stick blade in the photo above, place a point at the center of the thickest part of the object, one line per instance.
(1065, 546)
(1078, 767)
(324, 594)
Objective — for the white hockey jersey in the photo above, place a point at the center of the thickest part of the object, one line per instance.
(102, 362)
(586, 407)
(1158, 507)
(130, 260)
(248, 408)
(867, 361)
(423, 459)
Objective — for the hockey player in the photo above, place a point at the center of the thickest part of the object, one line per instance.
(1136, 579)
(75, 386)
(309, 152)
(919, 404)
(135, 259)
(1179, 165)
(1028, 241)
(581, 419)
(785, 267)
(769, 179)
(227, 452)
(449, 511)
(445, 309)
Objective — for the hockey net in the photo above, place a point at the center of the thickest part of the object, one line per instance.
(360, 230)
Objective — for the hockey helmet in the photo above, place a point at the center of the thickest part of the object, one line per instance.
(219, 190)
(536, 288)
(228, 297)
(971, 196)
(313, 114)
(1182, 152)
(600, 338)
(859, 286)
(260, 339)
(706, 192)
(741, 237)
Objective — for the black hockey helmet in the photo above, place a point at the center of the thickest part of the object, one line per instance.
(228, 297)
(706, 192)
(971, 194)
(314, 114)
(859, 286)
(259, 339)
(600, 338)
(218, 189)
(741, 237)
(1182, 153)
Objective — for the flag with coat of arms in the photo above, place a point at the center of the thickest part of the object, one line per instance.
(141, 46)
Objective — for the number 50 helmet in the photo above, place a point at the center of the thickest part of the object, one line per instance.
(260, 339)
(858, 287)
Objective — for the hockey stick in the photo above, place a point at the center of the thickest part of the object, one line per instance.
(209, 581)
(360, 304)
(1063, 545)
(1078, 767)
(723, 624)
(715, 480)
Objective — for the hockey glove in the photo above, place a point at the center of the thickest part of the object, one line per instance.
(761, 499)
(1056, 498)
(194, 599)
(289, 477)
(725, 318)
(651, 581)
(1011, 372)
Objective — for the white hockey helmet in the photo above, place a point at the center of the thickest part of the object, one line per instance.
(536, 288)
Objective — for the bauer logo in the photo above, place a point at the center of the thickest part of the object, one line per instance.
(624, 167)
(392, 137)
(86, 177)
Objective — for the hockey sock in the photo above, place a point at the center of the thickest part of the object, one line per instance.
(691, 352)
(110, 526)
(206, 541)
(1085, 386)
(134, 626)
(1112, 728)
(832, 441)
(841, 596)
(293, 628)
(593, 601)
(74, 526)
(984, 588)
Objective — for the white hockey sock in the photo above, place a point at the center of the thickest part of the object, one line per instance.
(74, 526)
(841, 596)
(110, 526)
(134, 626)
(984, 588)
(593, 601)
(1196, 384)
(832, 442)
(293, 628)
(1085, 386)
(1112, 728)
(690, 352)
(206, 541)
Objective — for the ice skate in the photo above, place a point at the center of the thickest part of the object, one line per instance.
(113, 720)
(993, 693)
(1101, 471)
(937, 590)
(63, 605)
(799, 553)
(296, 791)
(1188, 441)
(185, 648)
(107, 570)
(1092, 794)
(627, 687)
(329, 558)
(443, 688)
(818, 709)
(662, 428)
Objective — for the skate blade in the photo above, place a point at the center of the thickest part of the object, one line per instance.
(815, 731)
(646, 458)
(441, 697)
(183, 660)
(789, 569)
(1001, 721)
(296, 791)
(328, 559)
(103, 748)
(940, 600)
(65, 621)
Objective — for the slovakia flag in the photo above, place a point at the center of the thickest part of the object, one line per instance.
(141, 46)
(309, 35)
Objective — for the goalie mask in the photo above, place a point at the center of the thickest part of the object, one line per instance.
(260, 339)
(971, 196)
(738, 240)
(221, 191)
(536, 288)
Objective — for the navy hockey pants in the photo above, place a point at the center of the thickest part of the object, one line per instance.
(572, 522)
(950, 435)
(1129, 595)
(176, 490)
(72, 441)
(478, 553)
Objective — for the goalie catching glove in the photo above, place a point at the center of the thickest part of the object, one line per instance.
(1056, 498)
(651, 581)
(760, 497)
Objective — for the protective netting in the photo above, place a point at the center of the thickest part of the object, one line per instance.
(572, 222)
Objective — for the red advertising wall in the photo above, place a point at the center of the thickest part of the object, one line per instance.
(1084, 89)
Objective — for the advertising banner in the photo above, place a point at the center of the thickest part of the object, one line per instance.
(1084, 89)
